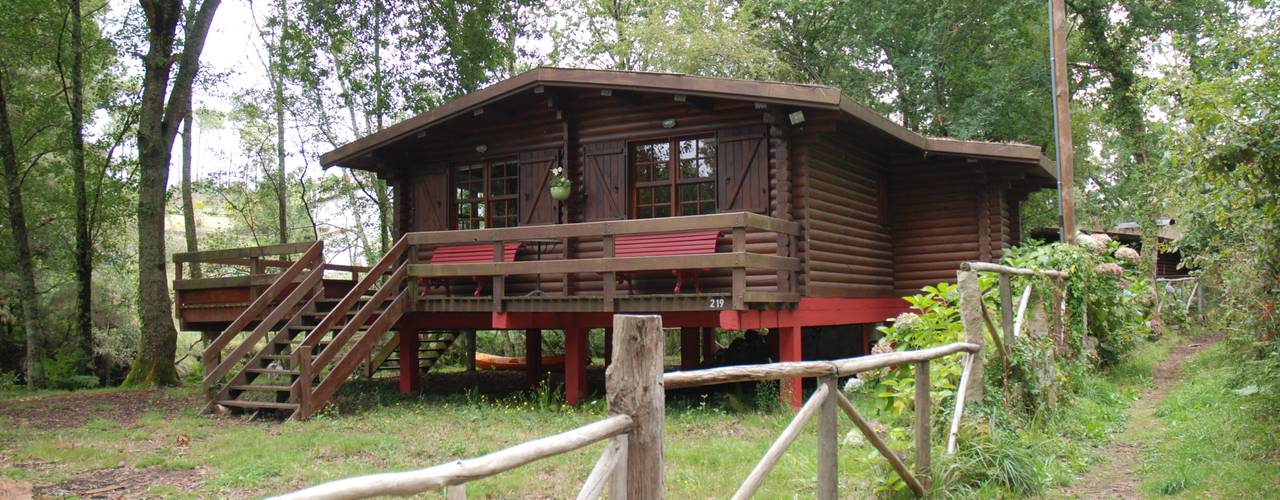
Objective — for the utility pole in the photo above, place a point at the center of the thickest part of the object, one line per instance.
(1062, 118)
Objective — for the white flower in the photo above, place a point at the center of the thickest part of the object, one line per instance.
(854, 438)
(853, 384)
(906, 321)
(1089, 242)
(1102, 238)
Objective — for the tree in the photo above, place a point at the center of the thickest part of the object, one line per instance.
(158, 125)
(31, 319)
(1113, 47)
(723, 38)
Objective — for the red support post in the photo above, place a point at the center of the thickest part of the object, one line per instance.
(689, 338)
(575, 364)
(789, 350)
(533, 357)
(410, 375)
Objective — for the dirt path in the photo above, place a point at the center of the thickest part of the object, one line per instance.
(1116, 476)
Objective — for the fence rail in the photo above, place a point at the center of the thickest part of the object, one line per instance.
(631, 465)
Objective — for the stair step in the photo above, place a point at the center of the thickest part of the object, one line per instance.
(271, 371)
(258, 404)
(261, 388)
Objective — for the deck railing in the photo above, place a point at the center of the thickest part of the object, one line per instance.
(631, 466)
(738, 261)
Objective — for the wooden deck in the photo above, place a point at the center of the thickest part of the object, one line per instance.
(211, 303)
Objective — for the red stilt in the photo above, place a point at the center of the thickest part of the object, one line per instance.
(575, 365)
(410, 375)
(533, 357)
(709, 346)
(689, 348)
(789, 350)
(608, 346)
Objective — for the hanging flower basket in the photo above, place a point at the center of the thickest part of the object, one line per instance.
(560, 185)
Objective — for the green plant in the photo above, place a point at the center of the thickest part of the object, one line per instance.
(64, 372)
(936, 321)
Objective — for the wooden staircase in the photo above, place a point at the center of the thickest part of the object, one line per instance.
(431, 347)
(307, 346)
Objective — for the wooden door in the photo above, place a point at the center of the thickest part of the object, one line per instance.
(605, 181)
(742, 168)
(431, 200)
(536, 204)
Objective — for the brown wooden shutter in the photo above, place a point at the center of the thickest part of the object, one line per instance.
(742, 165)
(605, 181)
(536, 205)
(431, 200)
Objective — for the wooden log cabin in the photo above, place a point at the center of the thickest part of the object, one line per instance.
(773, 206)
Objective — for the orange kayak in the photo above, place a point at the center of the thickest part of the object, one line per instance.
(487, 361)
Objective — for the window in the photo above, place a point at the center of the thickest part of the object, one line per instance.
(485, 194)
(674, 176)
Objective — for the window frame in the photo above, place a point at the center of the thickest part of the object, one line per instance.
(485, 202)
(674, 180)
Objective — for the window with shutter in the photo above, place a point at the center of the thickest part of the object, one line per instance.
(604, 178)
(742, 161)
(536, 205)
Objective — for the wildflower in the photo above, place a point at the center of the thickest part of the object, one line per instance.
(906, 321)
(1102, 238)
(1110, 268)
(854, 438)
(853, 384)
(1089, 242)
(883, 346)
(1128, 254)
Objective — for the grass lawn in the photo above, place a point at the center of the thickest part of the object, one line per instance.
(1218, 434)
(66, 445)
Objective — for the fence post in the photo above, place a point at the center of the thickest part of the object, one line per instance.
(971, 316)
(923, 449)
(634, 386)
(1006, 309)
(828, 458)
(304, 381)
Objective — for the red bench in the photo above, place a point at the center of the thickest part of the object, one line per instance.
(468, 254)
(656, 245)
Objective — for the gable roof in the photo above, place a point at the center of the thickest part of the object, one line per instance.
(788, 94)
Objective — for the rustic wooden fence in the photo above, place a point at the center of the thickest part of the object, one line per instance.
(631, 465)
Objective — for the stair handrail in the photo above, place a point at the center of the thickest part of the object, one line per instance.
(314, 258)
(347, 364)
(312, 339)
(361, 317)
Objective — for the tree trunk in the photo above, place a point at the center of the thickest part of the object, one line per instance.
(384, 214)
(31, 321)
(277, 87)
(84, 246)
(157, 128)
(188, 204)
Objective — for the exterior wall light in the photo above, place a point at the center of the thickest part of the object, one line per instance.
(482, 148)
(668, 123)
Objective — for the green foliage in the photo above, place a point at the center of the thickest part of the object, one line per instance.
(936, 322)
(65, 371)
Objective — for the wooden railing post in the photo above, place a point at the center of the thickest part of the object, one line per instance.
(610, 278)
(971, 316)
(305, 376)
(922, 428)
(739, 272)
(634, 386)
(1006, 309)
(499, 281)
(828, 458)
